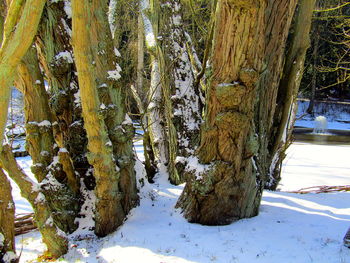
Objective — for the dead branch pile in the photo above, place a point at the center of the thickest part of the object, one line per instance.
(24, 223)
(322, 189)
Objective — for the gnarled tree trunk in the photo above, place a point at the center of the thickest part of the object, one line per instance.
(247, 57)
(50, 165)
(109, 135)
(227, 188)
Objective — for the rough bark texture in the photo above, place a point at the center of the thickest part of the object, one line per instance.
(109, 136)
(54, 238)
(156, 118)
(182, 98)
(119, 125)
(7, 217)
(228, 188)
(288, 90)
(237, 137)
(47, 166)
(279, 16)
(18, 38)
(155, 108)
(56, 58)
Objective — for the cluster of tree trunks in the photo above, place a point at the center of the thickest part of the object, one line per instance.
(216, 118)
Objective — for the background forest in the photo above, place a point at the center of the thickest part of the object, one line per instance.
(210, 87)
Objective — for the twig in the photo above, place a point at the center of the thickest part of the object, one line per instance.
(322, 189)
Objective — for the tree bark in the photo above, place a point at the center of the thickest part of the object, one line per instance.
(40, 144)
(7, 218)
(54, 238)
(18, 38)
(227, 187)
(181, 96)
(155, 106)
(288, 90)
(55, 53)
(109, 136)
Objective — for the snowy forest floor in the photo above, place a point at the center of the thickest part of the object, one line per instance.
(290, 227)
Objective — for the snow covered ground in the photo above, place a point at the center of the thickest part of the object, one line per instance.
(289, 228)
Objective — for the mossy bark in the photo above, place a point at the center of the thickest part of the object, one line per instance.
(47, 166)
(17, 40)
(109, 135)
(54, 238)
(7, 216)
(55, 54)
(279, 15)
(113, 95)
(247, 62)
(229, 189)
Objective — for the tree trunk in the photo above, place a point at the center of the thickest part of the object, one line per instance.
(181, 96)
(54, 238)
(227, 188)
(150, 163)
(109, 136)
(18, 38)
(119, 125)
(155, 106)
(47, 159)
(7, 219)
(56, 59)
(288, 90)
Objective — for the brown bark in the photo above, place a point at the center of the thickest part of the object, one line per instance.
(288, 91)
(228, 189)
(248, 56)
(7, 216)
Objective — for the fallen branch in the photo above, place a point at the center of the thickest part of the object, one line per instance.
(322, 189)
(24, 224)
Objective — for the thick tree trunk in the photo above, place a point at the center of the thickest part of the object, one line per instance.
(119, 125)
(7, 219)
(279, 16)
(227, 188)
(109, 135)
(54, 238)
(288, 90)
